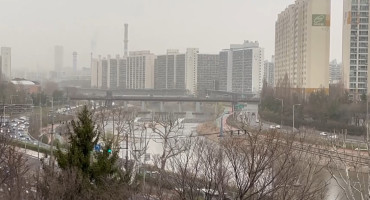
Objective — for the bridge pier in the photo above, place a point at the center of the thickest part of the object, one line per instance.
(108, 103)
(216, 108)
(198, 107)
(143, 106)
(161, 106)
(180, 107)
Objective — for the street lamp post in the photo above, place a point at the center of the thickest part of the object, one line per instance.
(367, 120)
(51, 163)
(221, 135)
(38, 138)
(281, 113)
(293, 114)
(3, 122)
(38, 142)
(11, 98)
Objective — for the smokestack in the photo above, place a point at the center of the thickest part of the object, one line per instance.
(126, 40)
(74, 54)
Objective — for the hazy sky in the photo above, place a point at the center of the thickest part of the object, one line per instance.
(32, 27)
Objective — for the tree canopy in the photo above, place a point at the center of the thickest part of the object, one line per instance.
(80, 153)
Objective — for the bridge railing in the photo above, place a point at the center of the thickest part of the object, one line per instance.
(165, 99)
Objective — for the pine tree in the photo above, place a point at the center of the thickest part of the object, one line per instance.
(80, 154)
(86, 174)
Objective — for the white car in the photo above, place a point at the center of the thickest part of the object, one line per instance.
(272, 127)
(257, 121)
(323, 134)
(278, 126)
(333, 137)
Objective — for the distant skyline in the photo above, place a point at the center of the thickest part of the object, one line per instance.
(33, 28)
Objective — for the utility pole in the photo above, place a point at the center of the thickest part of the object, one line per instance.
(293, 114)
(3, 121)
(145, 146)
(38, 141)
(52, 133)
(282, 111)
(126, 164)
(220, 187)
(367, 120)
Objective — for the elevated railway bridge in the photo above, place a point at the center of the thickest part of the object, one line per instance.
(109, 99)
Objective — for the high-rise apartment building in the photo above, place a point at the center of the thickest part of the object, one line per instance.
(191, 71)
(335, 72)
(191, 63)
(169, 71)
(207, 73)
(58, 57)
(269, 71)
(355, 49)
(6, 63)
(225, 70)
(140, 70)
(201, 72)
(242, 68)
(133, 72)
(302, 45)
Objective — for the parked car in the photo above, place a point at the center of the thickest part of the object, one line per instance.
(272, 127)
(278, 127)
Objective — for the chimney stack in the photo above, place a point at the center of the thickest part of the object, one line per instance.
(74, 54)
(126, 40)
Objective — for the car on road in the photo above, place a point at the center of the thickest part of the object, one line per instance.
(333, 137)
(272, 127)
(278, 127)
(323, 134)
(257, 120)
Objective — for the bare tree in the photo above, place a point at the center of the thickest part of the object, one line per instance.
(166, 129)
(350, 170)
(273, 165)
(195, 170)
(102, 117)
(15, 179)
(70, 184)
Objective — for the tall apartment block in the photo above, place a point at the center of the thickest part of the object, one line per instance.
(133, 72)
(201, 72)
(355, 49)
(169, 71)
(269, 71)
(207, 73)
(191, 72)
(302, 45)
(241, 68)
(335, 72)
(6, 63)
(58, 57)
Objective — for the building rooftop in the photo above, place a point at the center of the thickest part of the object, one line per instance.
(23, 82)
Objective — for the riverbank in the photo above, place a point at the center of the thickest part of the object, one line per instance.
(209, 130)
